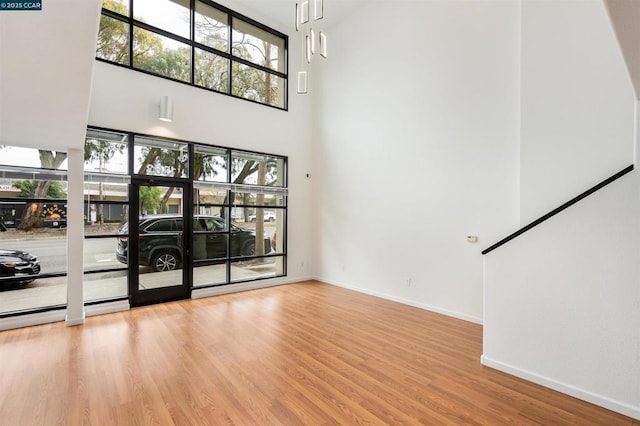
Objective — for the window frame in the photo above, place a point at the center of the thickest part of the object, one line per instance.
(193, 45)
(194, 147)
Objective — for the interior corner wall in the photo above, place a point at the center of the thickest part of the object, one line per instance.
(562, 301)
(577, 103)
(129, 100)
(416, 147)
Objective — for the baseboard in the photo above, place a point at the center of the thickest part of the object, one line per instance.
(252, 285)
(32, 319)
(593, 398)
(107, 308)
(413, 303)
(74, 321)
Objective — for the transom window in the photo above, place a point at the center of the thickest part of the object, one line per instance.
(208, 46)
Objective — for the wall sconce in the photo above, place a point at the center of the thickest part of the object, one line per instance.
(166, 109)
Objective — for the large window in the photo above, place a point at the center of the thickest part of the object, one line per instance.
(33, 237)
(247, 192)
(237, 202)
(209, 46)
(106, 207)
(238, 212)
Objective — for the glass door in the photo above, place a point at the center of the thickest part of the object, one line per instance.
(159, 241)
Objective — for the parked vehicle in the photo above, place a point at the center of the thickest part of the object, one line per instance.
(17, 267)
(160, 240)
(268, 217)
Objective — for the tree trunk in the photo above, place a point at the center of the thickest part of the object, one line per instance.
(32, 215)
(260, 211)
(165, 199)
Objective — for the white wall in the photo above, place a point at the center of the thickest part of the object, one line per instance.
(416, 147)
(577, 103)
(46, 60)
(562, 301)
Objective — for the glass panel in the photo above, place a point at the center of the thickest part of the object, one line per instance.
(255, 85)
(25, 188)
(257, 169)
(103, 218)
(106, 152)
(48, 244)
(209, 245)
(245, 241)
(105, 285)
(113, 40)
(31, 218)
(211, 71)
(33, 240)
(210, 238)
(205, 274)
(210, 164)
(207, 208)
(40, 293)
(257, 268)
(29, 253)
(257, 46)
(212, 27)
(161, 55)
(32, 157)
(253, 199)
(266, 222)
(100, 253)
(169, 15)
(155, 157)
(118, 6)
(160, 237)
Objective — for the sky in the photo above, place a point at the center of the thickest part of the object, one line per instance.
(26, 157)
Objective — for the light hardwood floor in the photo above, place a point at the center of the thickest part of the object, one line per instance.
(300, 354)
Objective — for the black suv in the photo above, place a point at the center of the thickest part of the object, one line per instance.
(160, 240)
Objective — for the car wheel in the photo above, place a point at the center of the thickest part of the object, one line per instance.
(165, 262)
(249, 248)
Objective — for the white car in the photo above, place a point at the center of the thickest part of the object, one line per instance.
(268, 217)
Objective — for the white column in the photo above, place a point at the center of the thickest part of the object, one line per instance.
(75, 238)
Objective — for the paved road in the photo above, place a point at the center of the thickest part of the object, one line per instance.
(99, 253)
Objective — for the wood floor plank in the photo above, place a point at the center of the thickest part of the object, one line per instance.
(300, 354)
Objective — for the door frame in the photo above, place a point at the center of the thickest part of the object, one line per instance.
(138, 297)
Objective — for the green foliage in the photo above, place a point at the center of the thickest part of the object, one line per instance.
(113, 40)
(101, 150)
(26, 188)
(150, 199)
(210, 70)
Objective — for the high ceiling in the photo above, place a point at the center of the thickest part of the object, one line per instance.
(281, 13)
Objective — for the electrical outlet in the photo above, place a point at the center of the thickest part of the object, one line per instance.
(408, 282)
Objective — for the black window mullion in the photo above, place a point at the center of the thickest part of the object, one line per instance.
(162, 32)
(133, 23)
(192, 15)
(230, 61)
(114, 15)
(131, 33)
